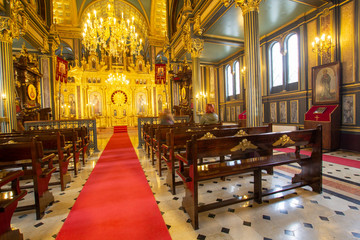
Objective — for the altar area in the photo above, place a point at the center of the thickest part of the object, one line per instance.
(112, 91)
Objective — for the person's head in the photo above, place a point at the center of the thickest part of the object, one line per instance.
(167, 111)
(210, 108)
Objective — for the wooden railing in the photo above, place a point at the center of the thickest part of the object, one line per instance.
(90, 124)
(154, 120)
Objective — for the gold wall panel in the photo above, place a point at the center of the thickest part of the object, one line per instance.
(326, 27)
(347, 35)
(221, 84)
(312, 57)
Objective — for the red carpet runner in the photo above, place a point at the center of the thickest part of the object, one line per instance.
(116, 201)
(327, 158)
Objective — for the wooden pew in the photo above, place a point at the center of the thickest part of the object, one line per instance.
(8, 203)
(30, 154)
(238, 147)
(152, 137)
(176, 141)
(83, 134)
(53, 142)
(71, 137)
(158, 136)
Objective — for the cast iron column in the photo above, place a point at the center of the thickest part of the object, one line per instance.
(196, 47)
(250, 9)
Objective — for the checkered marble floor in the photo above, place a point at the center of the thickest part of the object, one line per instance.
(296, 214)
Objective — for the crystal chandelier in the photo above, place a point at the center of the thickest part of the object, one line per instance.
(117, 79)
(113, 35)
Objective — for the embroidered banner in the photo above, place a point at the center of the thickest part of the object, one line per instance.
(160, 73)
(61, 70)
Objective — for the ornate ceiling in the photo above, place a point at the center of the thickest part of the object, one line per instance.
(150, 15)
(223, 27)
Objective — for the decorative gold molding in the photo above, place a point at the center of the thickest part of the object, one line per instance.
(9, 27)
(196, 45)
(240, 133)
(283, 140)
(248, 5)
(208, 135)
(243, 145)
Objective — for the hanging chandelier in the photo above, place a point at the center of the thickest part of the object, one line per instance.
(113, 35)
(116, 79)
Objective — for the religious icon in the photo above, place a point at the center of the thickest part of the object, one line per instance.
(348, 110)
(72, 104)
(141, 102)
(160, 103)
(326, 80)
(95, 103)
(31, 92)
(160, 71)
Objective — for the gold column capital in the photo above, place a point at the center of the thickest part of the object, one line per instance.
(9, 27)
(196, 45)
(8, 30)
(248, 5)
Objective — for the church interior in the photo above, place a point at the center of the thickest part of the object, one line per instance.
(86, 84)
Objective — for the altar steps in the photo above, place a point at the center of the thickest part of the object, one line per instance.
(120, 129)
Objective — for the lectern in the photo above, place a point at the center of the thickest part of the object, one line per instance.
(329, 117)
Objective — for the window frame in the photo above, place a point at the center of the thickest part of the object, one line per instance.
(227, 81)
(233, 70)
(286, 86)
(236, 73)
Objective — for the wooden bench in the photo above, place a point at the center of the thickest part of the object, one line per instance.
(8, 203)
(30, 154)
(71, 137)
(176, 141)
(149, 135)
(159, 137)
(238, 148)
(53, 142)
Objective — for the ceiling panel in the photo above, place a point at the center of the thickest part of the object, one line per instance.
(231, 24)
(275, 13)
(214, 52)
(272, 15)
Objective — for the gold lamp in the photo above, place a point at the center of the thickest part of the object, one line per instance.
(322, 45)
(112, 34)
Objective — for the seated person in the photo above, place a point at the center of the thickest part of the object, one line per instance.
(210, 117)
(166, 118)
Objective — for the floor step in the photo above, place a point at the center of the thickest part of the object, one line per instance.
(120, 129)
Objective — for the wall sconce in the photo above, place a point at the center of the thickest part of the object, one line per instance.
(3, 97)
(243, 71)
(202, 96)
(322, 45)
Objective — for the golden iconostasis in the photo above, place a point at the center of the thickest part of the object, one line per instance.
(115, 95)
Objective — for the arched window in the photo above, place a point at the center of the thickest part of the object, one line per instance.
(236, 71)
(229, 81)
(284, 64)
(276, 65)
(292, 48)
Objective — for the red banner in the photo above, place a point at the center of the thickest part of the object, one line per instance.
(61, 70)
(160, 73)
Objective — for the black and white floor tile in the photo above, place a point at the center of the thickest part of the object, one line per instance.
(297, 214)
